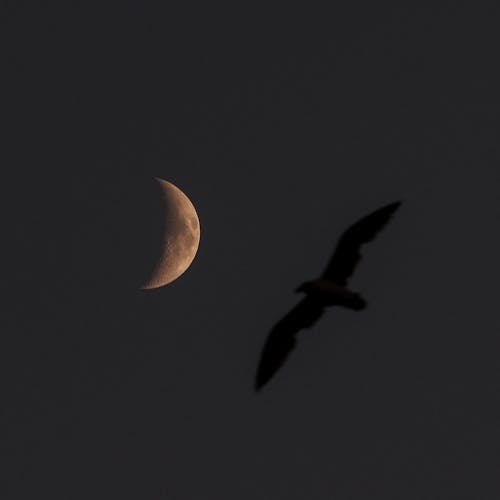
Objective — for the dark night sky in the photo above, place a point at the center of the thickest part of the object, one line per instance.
(283, 126)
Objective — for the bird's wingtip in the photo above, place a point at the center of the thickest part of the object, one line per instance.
(260, 382)
(392, 207)
(258, 387)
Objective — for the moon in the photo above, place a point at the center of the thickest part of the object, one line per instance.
(181, 237)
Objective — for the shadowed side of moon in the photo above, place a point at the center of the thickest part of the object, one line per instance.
(180, 239)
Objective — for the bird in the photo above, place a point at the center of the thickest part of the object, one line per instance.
(330, 289)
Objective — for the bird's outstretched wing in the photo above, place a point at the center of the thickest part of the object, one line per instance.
(347, 255)
(281, 340)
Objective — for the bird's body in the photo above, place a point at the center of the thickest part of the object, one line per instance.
(330, 289)
(328, 293)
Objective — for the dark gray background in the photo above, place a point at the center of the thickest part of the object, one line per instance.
(283, 126)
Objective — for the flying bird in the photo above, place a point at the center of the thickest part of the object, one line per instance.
(330, 289)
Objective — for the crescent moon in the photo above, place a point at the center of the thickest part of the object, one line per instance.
(181, 237)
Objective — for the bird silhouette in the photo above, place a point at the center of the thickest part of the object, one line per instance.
(330, 289)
